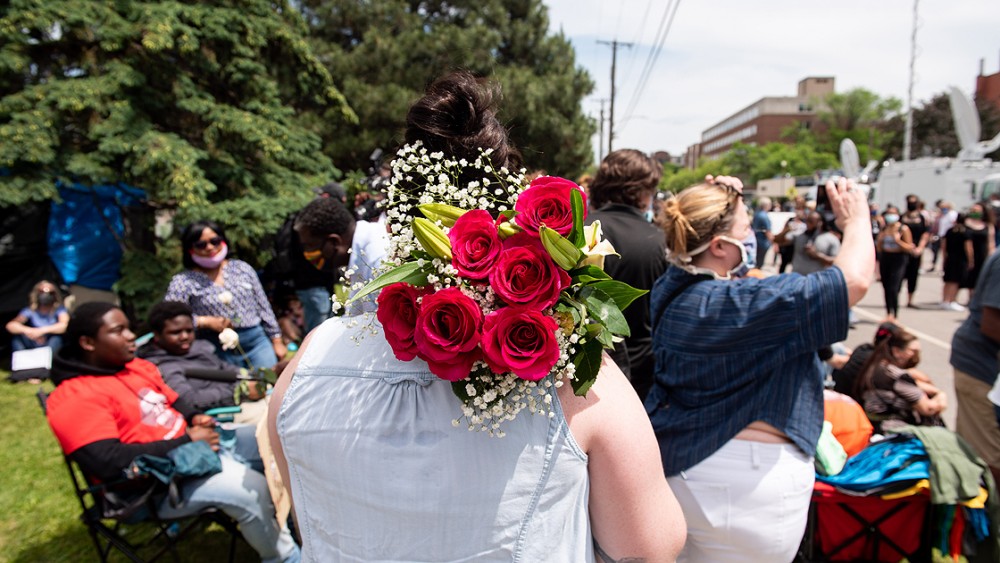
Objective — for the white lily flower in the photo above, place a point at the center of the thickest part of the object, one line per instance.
(229, 339)
(596, 247)
(225, 297)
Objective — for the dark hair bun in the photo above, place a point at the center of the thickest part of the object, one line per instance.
(457, 116)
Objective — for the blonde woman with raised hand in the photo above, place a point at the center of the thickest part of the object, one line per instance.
(737, 400)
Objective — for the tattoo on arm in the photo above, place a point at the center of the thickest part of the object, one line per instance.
(602, 556)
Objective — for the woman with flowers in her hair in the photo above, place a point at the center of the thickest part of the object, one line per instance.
(476, 417)
(737, 400)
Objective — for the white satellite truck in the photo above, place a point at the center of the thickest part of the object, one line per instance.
(967, 178)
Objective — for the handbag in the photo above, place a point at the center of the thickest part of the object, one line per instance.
(193, 459)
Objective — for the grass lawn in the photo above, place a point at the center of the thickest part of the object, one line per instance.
(39, 514)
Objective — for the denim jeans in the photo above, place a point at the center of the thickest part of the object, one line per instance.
(256, 344)
(315, 306)
(20, 342)
(240, 491)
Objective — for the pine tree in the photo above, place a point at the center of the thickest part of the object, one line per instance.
(383, 53)
(197, 103)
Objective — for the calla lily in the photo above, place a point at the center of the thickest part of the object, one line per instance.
(432, 238)
(594, 248)
(562, 251)
(446, 214)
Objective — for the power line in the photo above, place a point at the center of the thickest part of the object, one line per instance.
(666, 22)
(639, 36)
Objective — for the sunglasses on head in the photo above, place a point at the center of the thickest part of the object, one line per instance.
(203, 244)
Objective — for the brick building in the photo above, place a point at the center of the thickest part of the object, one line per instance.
(988, 87)
(763, 121)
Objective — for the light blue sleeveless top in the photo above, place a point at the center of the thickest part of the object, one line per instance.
(379, 473)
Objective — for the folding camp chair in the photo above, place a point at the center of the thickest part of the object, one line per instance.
(843, 527)
(101, 503)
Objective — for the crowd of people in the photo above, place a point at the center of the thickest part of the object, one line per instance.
(695, 443)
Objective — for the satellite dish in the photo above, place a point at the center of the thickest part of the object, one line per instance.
(967, 125)
(867, 172)
(968, 128)
(849, 160)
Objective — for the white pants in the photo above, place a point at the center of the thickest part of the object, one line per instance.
(748, 501)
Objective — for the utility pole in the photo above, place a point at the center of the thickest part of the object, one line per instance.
(600, 144)
(908, 130)
(614, 58)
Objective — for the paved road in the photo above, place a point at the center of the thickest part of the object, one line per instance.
(933, 326)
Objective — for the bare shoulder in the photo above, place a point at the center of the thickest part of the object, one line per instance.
(609, 408)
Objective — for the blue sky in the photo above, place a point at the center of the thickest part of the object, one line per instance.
(722, 55)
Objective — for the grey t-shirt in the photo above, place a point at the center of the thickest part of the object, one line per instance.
(971, 351)
(824, 243)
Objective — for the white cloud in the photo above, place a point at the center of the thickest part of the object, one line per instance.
(722, 55)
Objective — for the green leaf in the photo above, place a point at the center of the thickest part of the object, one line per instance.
(458, 388)
(588, 364)
(571, 309)
(602, 308)
(604, 336)
(509, 214)
(590, 271)
(411, 273)
(622, 293)
(576, 203)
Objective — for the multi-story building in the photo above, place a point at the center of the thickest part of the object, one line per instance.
(763, 121)
(988, 87)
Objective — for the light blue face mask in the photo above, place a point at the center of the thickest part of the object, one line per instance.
(649, 212)
(746, 262)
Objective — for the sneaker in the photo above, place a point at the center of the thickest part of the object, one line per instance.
(945, 306)
(955, 306)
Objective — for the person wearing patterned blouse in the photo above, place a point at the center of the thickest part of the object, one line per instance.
(224, 292)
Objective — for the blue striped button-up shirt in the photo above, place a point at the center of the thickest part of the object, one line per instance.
(729, 353)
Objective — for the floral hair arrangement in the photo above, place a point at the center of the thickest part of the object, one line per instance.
(498, 287)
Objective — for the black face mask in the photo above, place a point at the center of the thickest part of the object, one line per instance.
(46, 299)
(911, 206)
(912, 362)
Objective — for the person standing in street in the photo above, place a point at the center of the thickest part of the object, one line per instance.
(921, 234)
(974, 350)
(761, 226)
(980, 231)
(943, 221)
(895, 246)
(737, 400)
(622, 194)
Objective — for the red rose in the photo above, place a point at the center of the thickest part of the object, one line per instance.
(521, 341)
(447, 333)
(475, 244)
(397, 311)
(547, 202)
(526, 275)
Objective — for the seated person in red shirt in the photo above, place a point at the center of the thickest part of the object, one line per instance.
(190, 366)
(108, 407)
